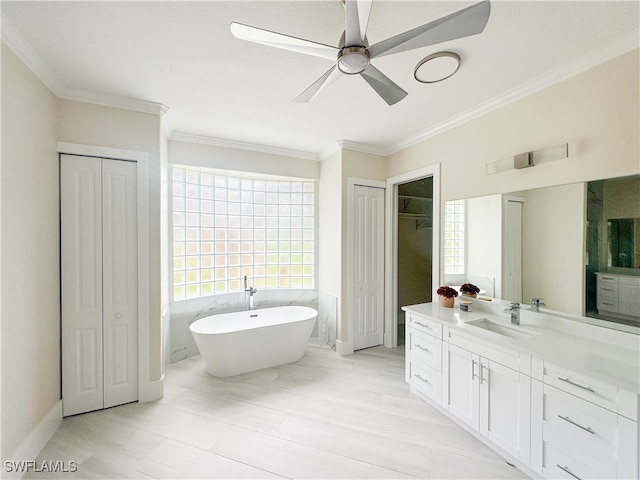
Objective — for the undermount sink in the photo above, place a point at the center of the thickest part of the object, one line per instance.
(514, 332)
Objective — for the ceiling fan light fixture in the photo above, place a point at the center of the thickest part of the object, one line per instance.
(437, 67)
(353, 60)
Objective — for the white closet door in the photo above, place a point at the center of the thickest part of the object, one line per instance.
(120, 282)
(512, 251)
(81, 248)
(99, 283)
(368, 267)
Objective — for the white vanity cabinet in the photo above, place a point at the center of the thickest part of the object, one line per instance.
(483, 387)
(581, 427)
(424, 356)
(629, 295)
(554, 404)
(618, 295)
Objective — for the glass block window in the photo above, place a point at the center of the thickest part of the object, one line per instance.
(226, 227)
(454, 237)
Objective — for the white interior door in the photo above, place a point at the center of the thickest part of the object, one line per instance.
(368, 266)
(512, 250)
(81, 283)
(99, 283)
(120, 282)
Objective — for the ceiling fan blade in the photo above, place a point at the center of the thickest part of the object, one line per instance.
(356, 20)
(285, 42)
(466, 22)
(324, 81)
(383, 85)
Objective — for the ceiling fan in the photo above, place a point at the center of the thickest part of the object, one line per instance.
(353, 55)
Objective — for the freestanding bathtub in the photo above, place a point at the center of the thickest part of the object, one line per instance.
(241, 342)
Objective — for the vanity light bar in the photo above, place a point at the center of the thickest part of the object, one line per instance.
(528, 159)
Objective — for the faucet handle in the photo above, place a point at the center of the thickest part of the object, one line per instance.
(536, 301)
(514, 305)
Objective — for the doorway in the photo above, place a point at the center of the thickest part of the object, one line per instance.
(425, 287)
(415, 246)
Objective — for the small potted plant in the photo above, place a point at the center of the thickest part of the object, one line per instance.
(447, 296)
(469, 290)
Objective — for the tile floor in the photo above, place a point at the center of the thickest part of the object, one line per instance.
(325, 417)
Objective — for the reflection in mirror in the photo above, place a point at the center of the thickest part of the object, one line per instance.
(529, 243)
(555, 232)
(622, 250)
(613, 250)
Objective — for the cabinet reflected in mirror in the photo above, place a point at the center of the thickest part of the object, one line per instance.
(564, 233)
(612, 250)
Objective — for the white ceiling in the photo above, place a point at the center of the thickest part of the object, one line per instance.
(182, 55)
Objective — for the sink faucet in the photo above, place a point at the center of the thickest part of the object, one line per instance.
(251, 291)
(514, 310)
(536, 303)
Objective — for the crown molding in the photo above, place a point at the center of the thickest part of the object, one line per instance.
(252, 147)
(133, 104)
(620, 46)
(12, 37)
(360, 147)
(25, 52)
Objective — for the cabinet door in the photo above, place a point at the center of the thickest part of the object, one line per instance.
(629, 298)
(461, 386)
(505, 401)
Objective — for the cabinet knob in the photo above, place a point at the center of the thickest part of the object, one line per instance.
(118, 315)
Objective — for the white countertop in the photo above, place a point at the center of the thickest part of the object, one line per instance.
(618, 364)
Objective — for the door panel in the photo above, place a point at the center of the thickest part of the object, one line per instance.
(368, 266)
(461, 395)
(119, 206)
(98, 200)
(81, 284)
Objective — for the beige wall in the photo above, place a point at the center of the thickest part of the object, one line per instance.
(553, 245)
(330, 225)
(182, 153)
(30, 251)
(90, 124)
(596, 112)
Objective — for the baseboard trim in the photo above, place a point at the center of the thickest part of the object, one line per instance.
(34, 443)
(153, 390)
(344, 348)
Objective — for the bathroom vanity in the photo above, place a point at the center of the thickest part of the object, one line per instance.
(619, 295)
(555, 396)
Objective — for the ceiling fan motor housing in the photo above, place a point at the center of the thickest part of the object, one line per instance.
(353, 60)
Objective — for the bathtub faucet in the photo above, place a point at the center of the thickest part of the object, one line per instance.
(251, 290)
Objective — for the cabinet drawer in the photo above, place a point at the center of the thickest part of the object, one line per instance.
(558, 464)
(425, 349)
(586, 432)
(608, 304)
(426, 325)
(426, 380)
(595, 391)
(497, 353)
(608, 291)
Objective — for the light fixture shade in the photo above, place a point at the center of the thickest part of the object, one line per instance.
(437, 67)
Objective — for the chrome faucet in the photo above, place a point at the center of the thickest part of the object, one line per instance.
(251, 291)
(536, 303)
(514, 310)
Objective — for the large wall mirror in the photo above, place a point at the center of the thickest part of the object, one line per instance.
(546, 243)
